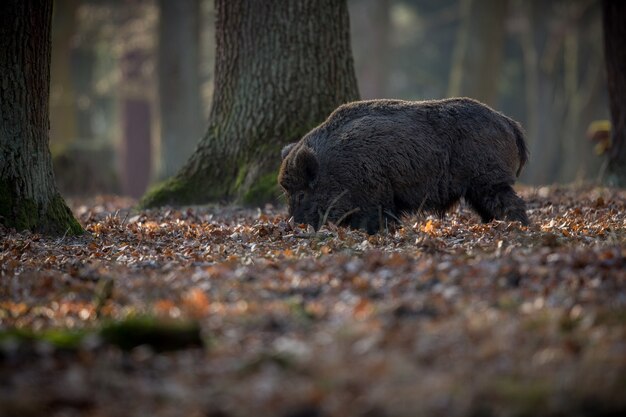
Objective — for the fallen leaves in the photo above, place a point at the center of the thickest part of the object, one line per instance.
(435, 316)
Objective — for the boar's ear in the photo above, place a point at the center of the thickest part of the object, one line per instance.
(286, 150)
(306, 163)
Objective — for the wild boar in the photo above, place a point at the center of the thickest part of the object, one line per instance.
(372, 161)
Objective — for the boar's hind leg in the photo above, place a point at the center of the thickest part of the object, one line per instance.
(499, 202)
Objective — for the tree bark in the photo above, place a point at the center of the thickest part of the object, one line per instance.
(478, 51)
(281, 68)
(614, 16)
(179, 83)
(28, 195)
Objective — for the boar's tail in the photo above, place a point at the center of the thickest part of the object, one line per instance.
(521, 146)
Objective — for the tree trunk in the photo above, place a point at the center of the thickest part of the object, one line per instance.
(614, 16)
(374, 29)
(179, 83)
(28, 195)
(63, 124)
(542, 131)
(136, 97)
(281, 68)
(478, 51)
(583, 69)
(136, 146)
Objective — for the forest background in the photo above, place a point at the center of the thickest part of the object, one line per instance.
(129, 109)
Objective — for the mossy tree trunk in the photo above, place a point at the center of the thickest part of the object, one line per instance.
(281, 68)
(29, 199)
(614, 16)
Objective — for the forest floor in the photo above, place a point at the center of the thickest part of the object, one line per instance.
(222, 311)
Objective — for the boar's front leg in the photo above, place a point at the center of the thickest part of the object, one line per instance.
(497, 201)
(374, 207)
(369, 219)
(373, 219)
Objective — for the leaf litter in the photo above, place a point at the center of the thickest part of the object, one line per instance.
(225, 311)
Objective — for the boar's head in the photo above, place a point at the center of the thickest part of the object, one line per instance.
(298, 177)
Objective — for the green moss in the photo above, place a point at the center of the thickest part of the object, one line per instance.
(126, 334)
(180, 191)
(64, 339)
(159, 334)
(173, 191)
(263, 190)
(524, 398)
(59, 219)
(21, 216)
(58, 338)
(241, 176)
(24, 214)
(202, 187)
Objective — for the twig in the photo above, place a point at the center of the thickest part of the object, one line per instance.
(345, 215)
(396, 218)
(332, 203)
(419, 209)
(125, 217)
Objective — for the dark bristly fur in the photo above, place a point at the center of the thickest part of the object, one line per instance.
(393, 156)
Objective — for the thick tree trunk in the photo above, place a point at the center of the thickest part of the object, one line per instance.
(614, 16)
(479, 49)
(281, 68)
(28, 195)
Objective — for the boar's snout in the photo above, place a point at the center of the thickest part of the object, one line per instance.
(298, 177)
(302, 208)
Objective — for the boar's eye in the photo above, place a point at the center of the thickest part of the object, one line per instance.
(300, 197)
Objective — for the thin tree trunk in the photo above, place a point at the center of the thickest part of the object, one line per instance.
(83, 66)
(479, 49)
(179, 83)
(28, 196)
(575, 148)
(281, 68)
(544, 149)
(136, 100)
(135, 149)
(614, 16)
(374, 73)
(63, 125)
(531, 80)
